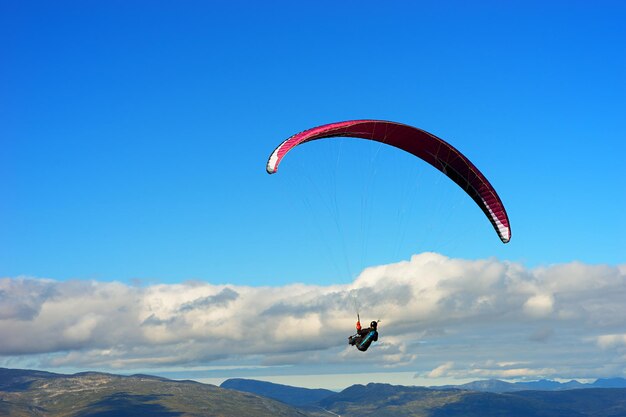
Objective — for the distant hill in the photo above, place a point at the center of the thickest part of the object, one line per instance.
(601, 402)
(495, 385)
(610, 383)
(383, 400)
(36, 394)
(386, 400)
(20, 379)
(289, 395)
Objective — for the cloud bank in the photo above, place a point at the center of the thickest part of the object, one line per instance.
(441, 317)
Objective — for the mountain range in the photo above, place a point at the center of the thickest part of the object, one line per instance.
(479, 398)
(26, 393)
(496, 385)
(302, 396)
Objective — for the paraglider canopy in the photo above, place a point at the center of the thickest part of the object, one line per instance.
(420, 143)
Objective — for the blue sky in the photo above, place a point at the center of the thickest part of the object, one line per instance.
(135, 137)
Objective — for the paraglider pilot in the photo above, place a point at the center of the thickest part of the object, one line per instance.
(364, 337)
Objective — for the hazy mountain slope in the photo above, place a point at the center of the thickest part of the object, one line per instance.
(290, 395)
(490, 385)
(488, 404)
(495, 385)
(610, 383)
(597, 402)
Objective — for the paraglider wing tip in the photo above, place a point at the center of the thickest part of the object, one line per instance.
(506, 236)
(272, 162)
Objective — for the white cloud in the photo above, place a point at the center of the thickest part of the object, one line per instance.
(440, 316)
(489, 369)
(441, 370)
(540, 305)
(607, 341)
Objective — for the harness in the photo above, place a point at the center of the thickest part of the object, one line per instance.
(366, 340)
